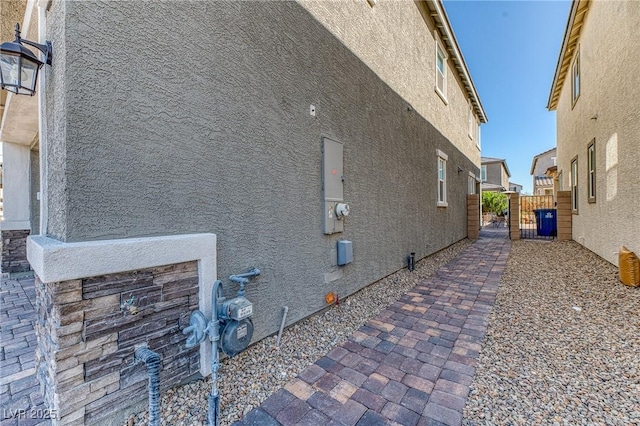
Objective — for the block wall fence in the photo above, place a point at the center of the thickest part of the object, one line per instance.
(565, 216)
(473, 216)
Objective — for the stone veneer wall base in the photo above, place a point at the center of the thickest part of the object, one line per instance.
(88, 330)
(89, 325)
(14, 251)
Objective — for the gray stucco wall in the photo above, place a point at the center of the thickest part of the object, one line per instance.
(55, 123)
(194, 117)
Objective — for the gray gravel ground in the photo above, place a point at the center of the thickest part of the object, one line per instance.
(252, 376)
(563, 343)
(562, 348)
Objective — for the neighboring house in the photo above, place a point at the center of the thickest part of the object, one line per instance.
(595, 94)
(515, 187)
(195, 140)
(494, 174)
(540, 169)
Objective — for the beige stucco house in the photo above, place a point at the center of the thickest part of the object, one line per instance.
(540, 169)
(596, 94)
(494, 174)
(515, 187)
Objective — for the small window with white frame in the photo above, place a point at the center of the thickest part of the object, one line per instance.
(479, 137)
(483, 173)
(471, 189)
(591, 167)
(442, 178)
(441, 70)
(575, 77)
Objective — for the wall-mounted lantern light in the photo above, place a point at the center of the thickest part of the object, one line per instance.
(20, 66)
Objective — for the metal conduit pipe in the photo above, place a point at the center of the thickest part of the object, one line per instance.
(213, 416)
(152, 361)
(284, 318)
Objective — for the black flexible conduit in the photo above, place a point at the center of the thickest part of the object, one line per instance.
(152, 361)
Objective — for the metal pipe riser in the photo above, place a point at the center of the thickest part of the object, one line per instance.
(153, 363)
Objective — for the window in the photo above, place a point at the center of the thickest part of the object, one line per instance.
(442, 178)
(471, 122)
(591, 167)
(471, 184)
(483, 173)
(575, 80)
(441, 71)
(574, 185)
(478, 143)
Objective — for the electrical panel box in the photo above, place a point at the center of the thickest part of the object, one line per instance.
(345, 252)
(334, 207)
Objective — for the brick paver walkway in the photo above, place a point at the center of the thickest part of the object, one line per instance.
(410, 365)
(20, 398)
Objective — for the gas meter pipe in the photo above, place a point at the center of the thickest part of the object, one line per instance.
(213, 416)
(233, 317)
(152, 361)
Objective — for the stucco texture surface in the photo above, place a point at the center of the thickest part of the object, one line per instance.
(397, 41)
(185, 117)
(54, 126)
(606, 112)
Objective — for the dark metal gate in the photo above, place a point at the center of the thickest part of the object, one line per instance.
(538, 217)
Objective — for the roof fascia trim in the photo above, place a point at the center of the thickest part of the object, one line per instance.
(567, 42)
(450, 40)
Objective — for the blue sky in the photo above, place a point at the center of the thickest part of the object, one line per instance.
(511, 49)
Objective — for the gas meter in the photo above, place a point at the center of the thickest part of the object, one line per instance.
(233, 317)
(235, 322)
(231, 325)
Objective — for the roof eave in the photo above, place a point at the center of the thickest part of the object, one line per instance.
(579, 9)
(439, 15)
(504, 162)
(533, 164)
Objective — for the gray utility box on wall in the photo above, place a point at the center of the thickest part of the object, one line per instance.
(334, 207)
(345, 252)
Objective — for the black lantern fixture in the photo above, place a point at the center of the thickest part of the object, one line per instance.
(20, 66)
